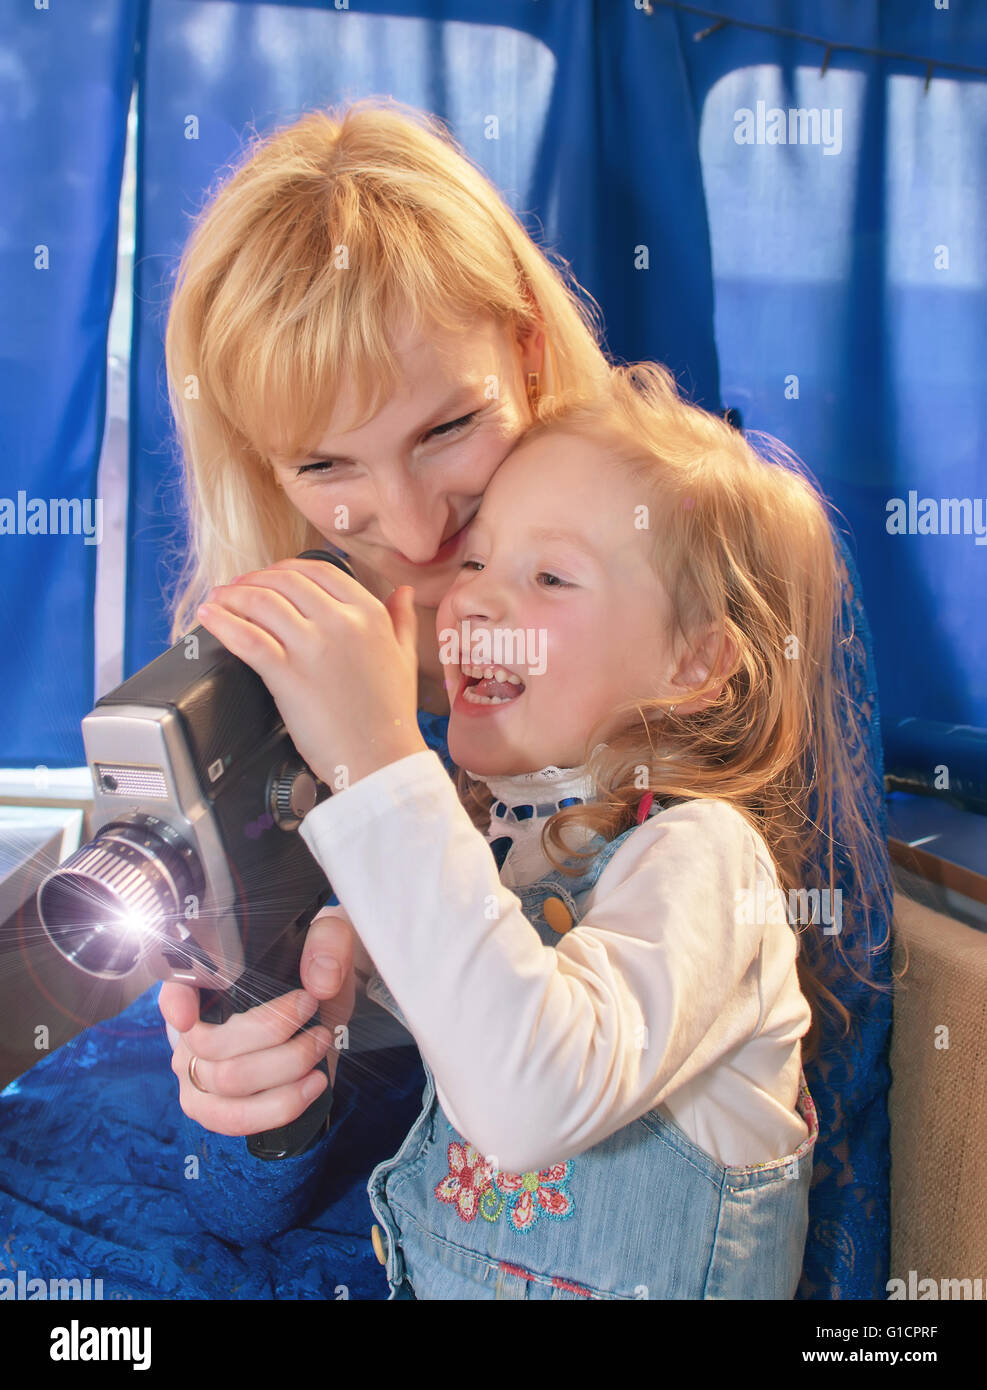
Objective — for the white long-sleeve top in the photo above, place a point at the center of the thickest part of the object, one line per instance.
(537, 1051)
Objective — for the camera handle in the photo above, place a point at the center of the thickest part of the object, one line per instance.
(274, 975)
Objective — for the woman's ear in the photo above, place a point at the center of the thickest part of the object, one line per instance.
(715, 655)
(532, 346)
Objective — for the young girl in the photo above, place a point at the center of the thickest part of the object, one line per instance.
(641, 667)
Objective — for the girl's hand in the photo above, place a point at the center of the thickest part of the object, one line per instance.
(256, 1074)
(342, 666)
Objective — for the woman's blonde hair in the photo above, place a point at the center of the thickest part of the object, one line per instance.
(745, 549)
(327, 233)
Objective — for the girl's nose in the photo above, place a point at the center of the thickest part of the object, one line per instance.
(480, 598)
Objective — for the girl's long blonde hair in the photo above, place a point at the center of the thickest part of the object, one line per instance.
(744, 546)
(327, 233)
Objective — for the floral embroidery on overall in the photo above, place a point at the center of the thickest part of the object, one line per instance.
(472, 1185)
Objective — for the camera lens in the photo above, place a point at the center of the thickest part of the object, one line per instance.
(120, 895)
(85, 921)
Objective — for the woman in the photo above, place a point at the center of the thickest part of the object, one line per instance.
(368, 327)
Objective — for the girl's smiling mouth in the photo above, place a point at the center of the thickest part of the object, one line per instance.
(494, 687)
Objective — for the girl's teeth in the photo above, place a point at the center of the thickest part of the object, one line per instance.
(485, 699)
(491, 673)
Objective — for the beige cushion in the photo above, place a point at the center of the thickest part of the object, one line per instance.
(938, 1099)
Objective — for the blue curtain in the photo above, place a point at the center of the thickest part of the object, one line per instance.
(66, 75)
(576, 89)
(834, 296)
(851, 303)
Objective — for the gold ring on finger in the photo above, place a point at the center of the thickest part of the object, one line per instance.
(192, 1076)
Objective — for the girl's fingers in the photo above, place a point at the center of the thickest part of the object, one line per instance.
(308, 599)
(257, 647)
(331, 579)
(267, 614)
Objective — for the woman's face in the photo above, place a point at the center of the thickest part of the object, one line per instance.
(397, 494)
(558, 569)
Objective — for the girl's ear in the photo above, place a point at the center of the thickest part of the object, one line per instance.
(697, 666)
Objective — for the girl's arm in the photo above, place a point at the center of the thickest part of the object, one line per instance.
(541, 1052)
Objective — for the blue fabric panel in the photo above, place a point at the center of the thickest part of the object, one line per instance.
(578, 91)
(825, 270)
(103, 1177)
(66, 76)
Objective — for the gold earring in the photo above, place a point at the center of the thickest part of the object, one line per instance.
(534, 391)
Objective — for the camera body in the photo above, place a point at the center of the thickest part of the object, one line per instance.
(195, 867)
(195, 775)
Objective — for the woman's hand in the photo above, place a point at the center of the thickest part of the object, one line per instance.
(342, 666)
(256, 1075)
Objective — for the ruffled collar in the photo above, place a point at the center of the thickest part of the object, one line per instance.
(521, 805)
(537, 790)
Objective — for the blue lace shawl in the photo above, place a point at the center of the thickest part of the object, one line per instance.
(103, 1177)
(848, 1248)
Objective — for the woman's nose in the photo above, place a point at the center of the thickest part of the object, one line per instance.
(412, 522)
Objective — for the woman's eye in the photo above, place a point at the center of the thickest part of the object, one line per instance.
(454, 424)
(322, 467)
(466, 564)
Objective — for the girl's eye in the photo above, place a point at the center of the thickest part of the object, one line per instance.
(559, 583)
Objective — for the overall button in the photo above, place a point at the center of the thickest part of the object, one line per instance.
(377, 1241)
(557, 915)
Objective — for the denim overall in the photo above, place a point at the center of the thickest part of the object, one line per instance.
(645, 1214)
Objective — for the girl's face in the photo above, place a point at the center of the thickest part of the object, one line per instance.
(397, 494)
(554, 553)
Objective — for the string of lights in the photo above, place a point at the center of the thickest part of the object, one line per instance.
(722, 21)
